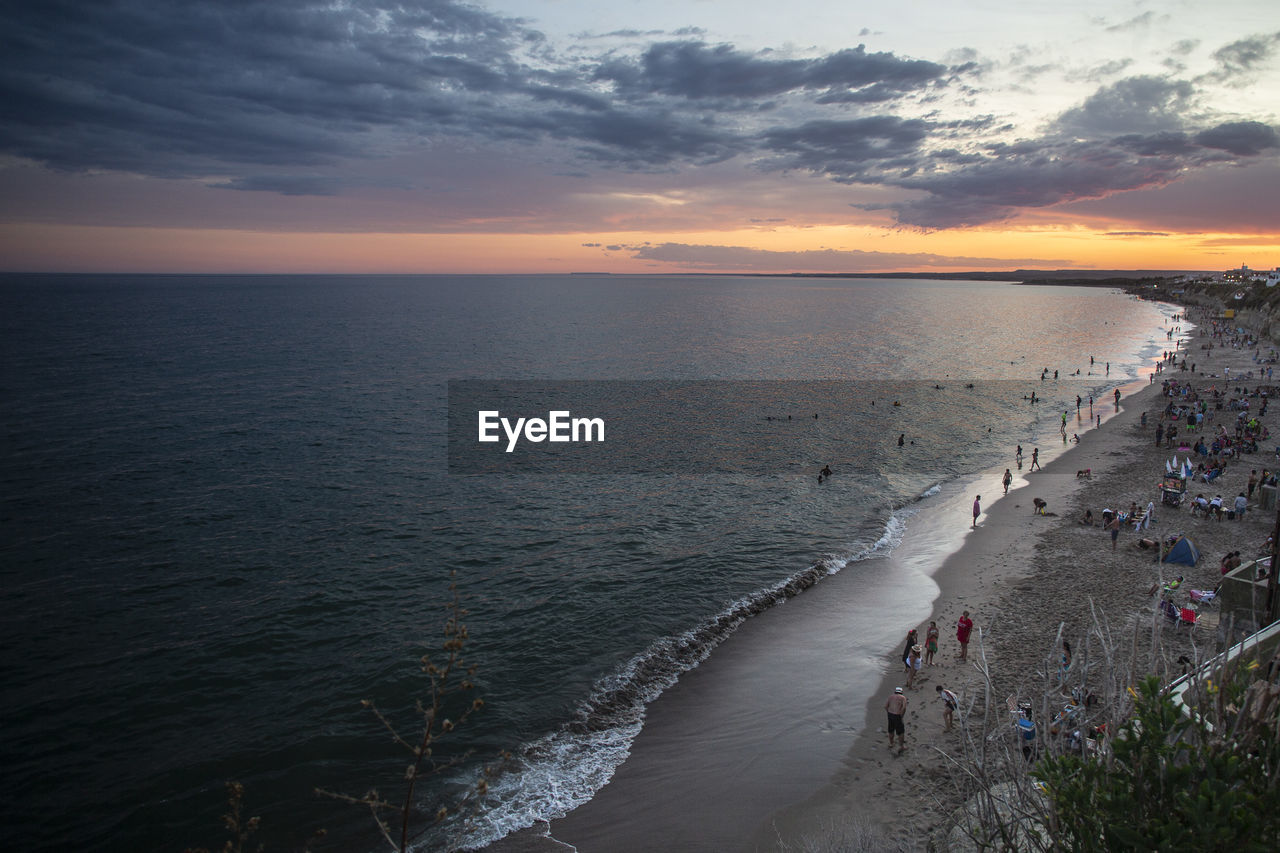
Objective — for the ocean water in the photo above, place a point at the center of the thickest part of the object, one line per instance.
(229, 515)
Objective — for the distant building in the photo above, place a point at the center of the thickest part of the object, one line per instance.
(1242, 274)
(1273, 277)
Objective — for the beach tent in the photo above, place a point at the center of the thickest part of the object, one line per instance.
(1184, 551)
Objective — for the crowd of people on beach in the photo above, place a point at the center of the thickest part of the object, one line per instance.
(1216, 421)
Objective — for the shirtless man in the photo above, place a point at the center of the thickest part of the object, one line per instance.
(896, 708)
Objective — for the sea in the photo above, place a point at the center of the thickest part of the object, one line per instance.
(233, 511)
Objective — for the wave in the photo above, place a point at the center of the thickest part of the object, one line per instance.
(562, 770)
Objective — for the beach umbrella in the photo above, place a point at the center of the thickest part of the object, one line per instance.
(1168, 467)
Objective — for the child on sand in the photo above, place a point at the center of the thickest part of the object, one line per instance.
(930, 643)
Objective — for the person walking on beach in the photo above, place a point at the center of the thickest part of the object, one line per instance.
(963, 628)
(950, 701)
(977, 509)
(896, 708)
(1008, 478)
(930, 643)
(1035, 458)
(1117, 397)
(1114, 526)
(912, 639)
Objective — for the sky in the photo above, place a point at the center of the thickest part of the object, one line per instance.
(554, 136)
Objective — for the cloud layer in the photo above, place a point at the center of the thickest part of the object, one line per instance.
(281, 96)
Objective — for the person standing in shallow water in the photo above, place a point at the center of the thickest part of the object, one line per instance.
(1035, 458)
(1008, 478)
(977, 509)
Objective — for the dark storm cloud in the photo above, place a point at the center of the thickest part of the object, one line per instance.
(848, 150)
(1018, 177)
(205, 88)
(638, 140)
(180, 88)
(1141, 104)
(691, 69)
(1241, 138)
(1136, 133)
(1055, 169)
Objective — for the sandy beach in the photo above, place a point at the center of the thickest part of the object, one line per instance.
(1023, 576)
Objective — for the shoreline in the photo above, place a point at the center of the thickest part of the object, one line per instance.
(1018, 574)
(627, 813)
(968, 579)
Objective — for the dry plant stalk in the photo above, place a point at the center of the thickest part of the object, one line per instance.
(448, 678)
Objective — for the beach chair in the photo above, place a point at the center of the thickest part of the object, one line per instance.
(1187, 617)
(1203, 597)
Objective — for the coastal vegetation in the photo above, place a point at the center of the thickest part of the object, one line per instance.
(1122, 766)
(1174, 781)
